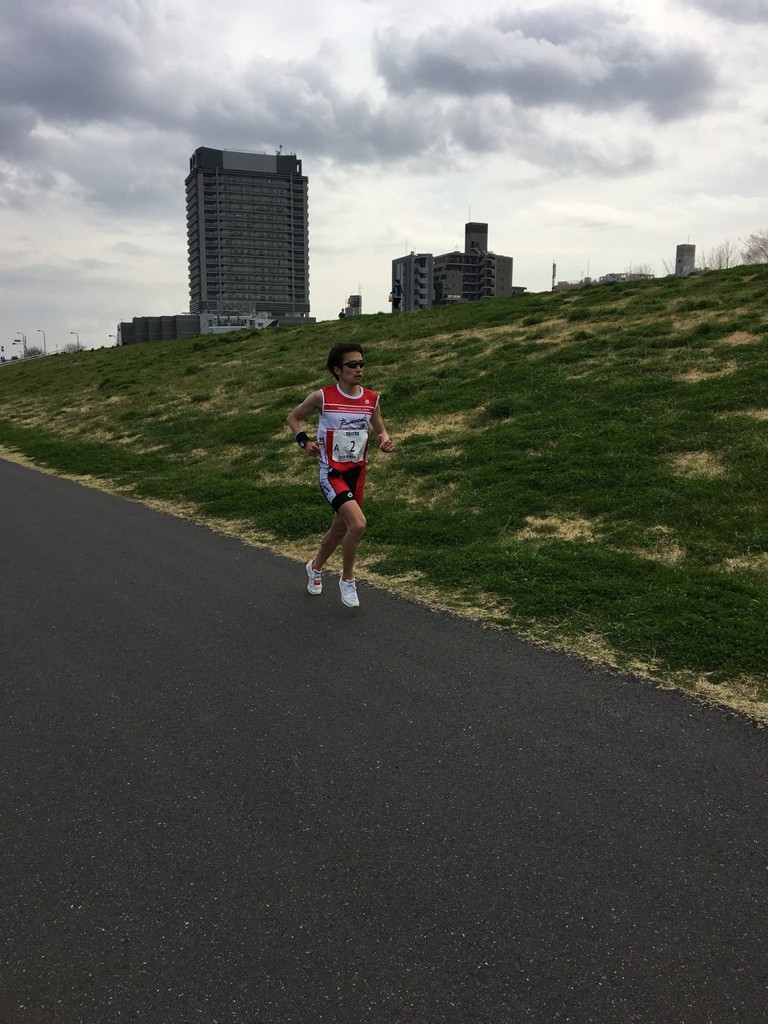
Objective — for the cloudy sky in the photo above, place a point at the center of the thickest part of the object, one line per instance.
(596, 135)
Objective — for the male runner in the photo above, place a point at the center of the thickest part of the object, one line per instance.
(347, 412)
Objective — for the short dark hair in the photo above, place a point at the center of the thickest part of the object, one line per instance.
(337, 353)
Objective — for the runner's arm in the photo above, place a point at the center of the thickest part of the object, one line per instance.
(382, 437)
(312, 403)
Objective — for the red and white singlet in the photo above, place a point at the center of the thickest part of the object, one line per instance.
(342, 430)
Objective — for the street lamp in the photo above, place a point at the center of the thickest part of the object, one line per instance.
(114, 336)
(78, 339)
(41, 331)
(23, 344)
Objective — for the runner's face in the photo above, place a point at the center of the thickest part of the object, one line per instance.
(350, 377)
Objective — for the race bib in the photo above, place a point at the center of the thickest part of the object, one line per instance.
(349, 445)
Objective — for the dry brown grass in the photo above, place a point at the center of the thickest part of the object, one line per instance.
(697, 464)
(148, 449)
(703, 372)
(439, 426)
(662, 547)
(757, 562)
(755, 414)
(741, 694)
(687, 323)
(739, 338)
(559, 528)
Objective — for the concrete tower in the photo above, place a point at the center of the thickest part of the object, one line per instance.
(685, 261)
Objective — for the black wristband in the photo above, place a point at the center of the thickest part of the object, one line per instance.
(301, 438)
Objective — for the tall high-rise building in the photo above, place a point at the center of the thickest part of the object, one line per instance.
(247, 233)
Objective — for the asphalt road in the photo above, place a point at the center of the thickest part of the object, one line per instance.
(223, 800)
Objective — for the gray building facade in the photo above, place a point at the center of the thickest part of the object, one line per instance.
(476, 273)
(188, 325)
(247, 233)
(685, 260)
(415, 274)
(157, 328)
(354, 306)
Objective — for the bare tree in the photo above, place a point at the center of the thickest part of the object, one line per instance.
(33, 350)
(756, 247)
(721, 257)
(642, 269)
(71, 346)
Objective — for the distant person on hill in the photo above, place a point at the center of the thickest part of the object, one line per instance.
(342, 314)
(347, 412)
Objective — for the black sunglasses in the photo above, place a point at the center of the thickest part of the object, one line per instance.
(354, 363)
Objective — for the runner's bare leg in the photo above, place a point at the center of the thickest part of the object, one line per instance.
(355, 523)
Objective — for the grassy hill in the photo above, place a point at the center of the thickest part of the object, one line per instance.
(587, 468)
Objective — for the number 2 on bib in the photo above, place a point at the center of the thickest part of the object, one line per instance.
(349, 445)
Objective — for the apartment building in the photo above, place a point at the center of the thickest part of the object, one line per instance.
(247, 233)
(476, 273)
(415, 274)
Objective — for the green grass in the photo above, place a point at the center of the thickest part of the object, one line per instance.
(587, 469)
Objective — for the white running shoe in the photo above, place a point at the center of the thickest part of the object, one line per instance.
(349, 596)
(315, 584)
